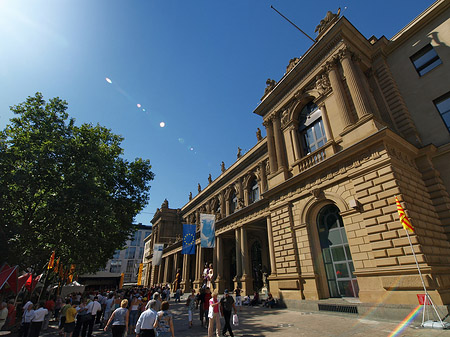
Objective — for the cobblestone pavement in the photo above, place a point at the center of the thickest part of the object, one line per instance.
(259, 321)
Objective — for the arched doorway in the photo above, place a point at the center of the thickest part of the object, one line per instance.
(257, 266)
(336, 253)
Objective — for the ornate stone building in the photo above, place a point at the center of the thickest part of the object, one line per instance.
(309, 211)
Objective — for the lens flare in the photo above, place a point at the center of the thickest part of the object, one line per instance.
(138, 105)
(162, 124)
(144, 110)
(108, 80)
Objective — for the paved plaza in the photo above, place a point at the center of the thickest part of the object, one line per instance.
(259, 321)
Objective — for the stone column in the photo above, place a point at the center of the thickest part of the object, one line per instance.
(295, 138)
(273, 266)
(355, 84)
(237, 233)
(166, 269)
(218, 266)
(271, 146)
(185, 284)
(278, 142)
(222, 204)
(263, 177)
(198, 279)
(326, 122)
(246, 279)
(338, 91)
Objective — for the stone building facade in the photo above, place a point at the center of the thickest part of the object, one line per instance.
(309, 212)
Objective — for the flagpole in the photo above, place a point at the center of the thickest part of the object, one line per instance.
(427, 296)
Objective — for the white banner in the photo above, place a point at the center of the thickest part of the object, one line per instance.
(208, 230)
(157, 253)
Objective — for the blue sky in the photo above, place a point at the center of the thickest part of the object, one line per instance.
(198, 66)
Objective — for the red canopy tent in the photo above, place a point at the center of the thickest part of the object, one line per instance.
(8, 275)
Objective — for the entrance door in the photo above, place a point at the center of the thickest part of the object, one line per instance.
(336, 253)
(256, 266)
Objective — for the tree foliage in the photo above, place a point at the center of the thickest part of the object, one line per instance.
(65, 188)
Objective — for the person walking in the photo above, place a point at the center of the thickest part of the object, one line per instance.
(204, 306)
(82, 318)
(27, 317)
(226, 305)
(50, 306)
(190, 303)
(92, 308)
(119, 320)
(62, 319)
(134, 313)
(144, 325)
(213, 314)
(38, 319)
(237, 293)
(69, 323)
(164, 321)
(108, 308)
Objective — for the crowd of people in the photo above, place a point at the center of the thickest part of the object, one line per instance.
(141, 311)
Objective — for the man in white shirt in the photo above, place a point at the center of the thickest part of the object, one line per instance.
(92, 309)
(144, 325)
(38, 319)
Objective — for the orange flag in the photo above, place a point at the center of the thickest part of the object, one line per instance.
(55, 270)
(403, 218)
(52, 261)
(61, 271)
(71, 272)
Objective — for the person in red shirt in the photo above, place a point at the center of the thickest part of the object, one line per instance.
(50, 306)
(205, 304)
(11, 320)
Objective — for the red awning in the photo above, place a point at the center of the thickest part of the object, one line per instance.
(9, 275)
(21, 280)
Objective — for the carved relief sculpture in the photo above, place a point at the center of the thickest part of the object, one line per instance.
(284, 117)
(322, 83)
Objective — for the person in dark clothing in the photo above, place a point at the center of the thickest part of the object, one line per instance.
(226, 305)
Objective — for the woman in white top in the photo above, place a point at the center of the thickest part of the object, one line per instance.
(27, 317)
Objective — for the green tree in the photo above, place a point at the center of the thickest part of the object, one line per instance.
(65, 188)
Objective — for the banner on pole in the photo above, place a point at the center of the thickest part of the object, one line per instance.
(403, 218)
(208, 230)
(122, 276)
(139, 281)
(188, 239)
(157, 253)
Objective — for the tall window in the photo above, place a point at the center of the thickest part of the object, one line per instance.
(443, 106)
(115, 266)
(312, 133)
(136, 238)
(254, 191)
(425, 60)
(130, 253)
(147, 233)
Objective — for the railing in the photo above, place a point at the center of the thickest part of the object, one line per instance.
(315, 157)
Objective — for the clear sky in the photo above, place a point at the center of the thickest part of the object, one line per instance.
(199, 66)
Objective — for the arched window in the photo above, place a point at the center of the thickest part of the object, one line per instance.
(312, 132)
(253, 191)
(336, 253)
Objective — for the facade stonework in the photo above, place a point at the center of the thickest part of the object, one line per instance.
(309, 212)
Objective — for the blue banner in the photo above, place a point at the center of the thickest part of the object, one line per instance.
(208, 230)
(188, 240)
